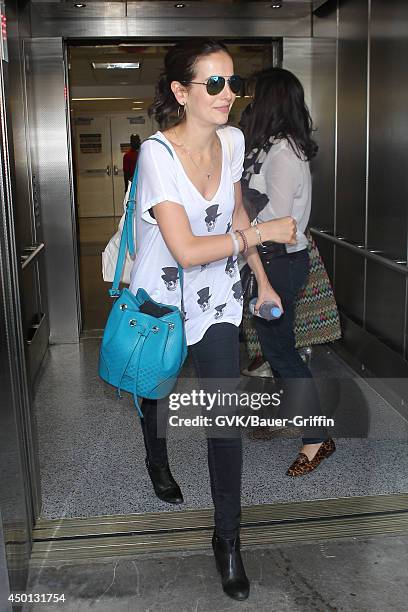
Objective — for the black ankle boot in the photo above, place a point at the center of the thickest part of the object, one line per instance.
(229, 563)
(165, 487)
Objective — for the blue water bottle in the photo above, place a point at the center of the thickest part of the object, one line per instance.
(267, 310)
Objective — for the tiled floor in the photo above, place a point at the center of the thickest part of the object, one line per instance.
(92, 453)
(344, 575)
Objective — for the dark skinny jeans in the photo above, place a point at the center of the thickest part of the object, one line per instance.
(287, 275)
(215, 356)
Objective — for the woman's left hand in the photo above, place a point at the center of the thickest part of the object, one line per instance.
(267, 294)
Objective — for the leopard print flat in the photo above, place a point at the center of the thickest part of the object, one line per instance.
(302, 465)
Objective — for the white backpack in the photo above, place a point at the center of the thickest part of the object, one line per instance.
(111, 252)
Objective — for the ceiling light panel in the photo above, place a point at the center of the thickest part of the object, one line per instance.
(115, 65)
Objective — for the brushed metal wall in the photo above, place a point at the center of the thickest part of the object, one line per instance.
(365, 123)
(386, 305)
(298, 58)
(388, 176)
(323, 87)
(351, 155)
(4, 579)
(28, 228)
(349, 284)
(15, 492)
(387, 215)
(352, 121)
(152, 19)
(51, 163)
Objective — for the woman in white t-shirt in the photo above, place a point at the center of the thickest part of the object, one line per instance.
(277, 182)
(189, 211)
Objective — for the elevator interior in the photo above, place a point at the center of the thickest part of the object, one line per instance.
(86, 460)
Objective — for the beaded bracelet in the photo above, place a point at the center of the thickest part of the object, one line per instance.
(244, 240)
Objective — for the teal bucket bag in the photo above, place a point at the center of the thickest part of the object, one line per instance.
(144, 345)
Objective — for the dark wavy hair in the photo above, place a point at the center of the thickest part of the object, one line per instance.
(179, 65)
(279, 110)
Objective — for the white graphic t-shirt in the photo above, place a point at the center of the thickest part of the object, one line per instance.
(212, 292)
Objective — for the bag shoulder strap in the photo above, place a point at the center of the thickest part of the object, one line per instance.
(163, 143)
(180, 269)
(127, 238)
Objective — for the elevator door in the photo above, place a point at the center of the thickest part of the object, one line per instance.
(101, 140)
(94, 163)
(100, 143)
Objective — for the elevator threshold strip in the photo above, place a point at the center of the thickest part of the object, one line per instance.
(110, 536)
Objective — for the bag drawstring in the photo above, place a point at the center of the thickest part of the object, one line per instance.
(119, 387)
(142, 338)
(135, 397)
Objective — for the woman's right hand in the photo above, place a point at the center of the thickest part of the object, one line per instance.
(279, 230)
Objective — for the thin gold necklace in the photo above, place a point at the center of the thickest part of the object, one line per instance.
(209, 173)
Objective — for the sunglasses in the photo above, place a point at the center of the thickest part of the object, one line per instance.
(215, 84)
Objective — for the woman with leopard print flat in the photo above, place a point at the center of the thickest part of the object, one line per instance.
(277, 182)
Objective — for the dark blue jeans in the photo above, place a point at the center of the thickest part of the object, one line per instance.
(287, 275)
(216, 356)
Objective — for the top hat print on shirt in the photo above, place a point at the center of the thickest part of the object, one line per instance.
(237, 289)
(211, 217)
(204, 298)
(219, 311)
(170, 277)
(230, 266)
